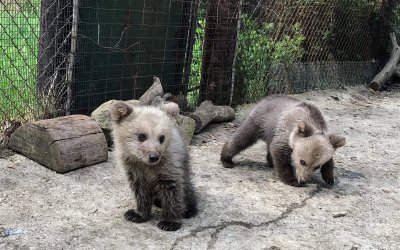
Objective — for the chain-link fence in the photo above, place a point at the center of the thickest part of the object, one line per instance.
(19, 33)
(63, 57)
(291, 46)
(69, 56)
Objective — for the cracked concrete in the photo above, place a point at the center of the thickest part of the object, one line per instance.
(218, 228)
(241, 208)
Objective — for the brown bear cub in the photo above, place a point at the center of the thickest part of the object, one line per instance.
(156, 161)
(297, 137)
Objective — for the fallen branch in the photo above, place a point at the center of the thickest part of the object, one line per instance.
(208, 112)
(154, 90)
(390, 67)
(396, 72)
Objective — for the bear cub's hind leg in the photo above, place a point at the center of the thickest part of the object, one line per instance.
(244, 137)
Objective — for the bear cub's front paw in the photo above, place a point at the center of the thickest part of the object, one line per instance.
(131, 215)
(169, 225)
(329, 180)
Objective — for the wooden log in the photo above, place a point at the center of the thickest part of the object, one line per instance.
(154, 90)
(62, 144)
(207, 112)
(390, 67)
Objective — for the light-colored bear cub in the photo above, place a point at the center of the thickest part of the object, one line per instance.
(156, 161)
(297, 137)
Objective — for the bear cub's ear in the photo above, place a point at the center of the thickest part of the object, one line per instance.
(336, 140)
(171, 108)
(304, 129)
(119, 110)
(301, 130)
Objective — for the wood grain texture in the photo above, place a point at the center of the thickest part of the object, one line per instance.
(62, 144)
(390, 68)
(154, 90)
(207, 112)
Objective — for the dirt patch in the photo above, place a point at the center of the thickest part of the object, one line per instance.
(246, 207)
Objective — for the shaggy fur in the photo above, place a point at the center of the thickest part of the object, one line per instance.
(156, 161)
(297, 137)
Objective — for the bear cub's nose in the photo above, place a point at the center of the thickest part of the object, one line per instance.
(154, 157)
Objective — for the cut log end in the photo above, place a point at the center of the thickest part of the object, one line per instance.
(375, 86)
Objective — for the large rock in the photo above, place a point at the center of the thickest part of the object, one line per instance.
(186, 126)
(103, 117)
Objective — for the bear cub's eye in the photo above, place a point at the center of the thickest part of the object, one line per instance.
(142, 137)
(302, 162)
(161, 139)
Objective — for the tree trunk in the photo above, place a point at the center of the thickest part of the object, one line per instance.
(52, 59)
(219, 50)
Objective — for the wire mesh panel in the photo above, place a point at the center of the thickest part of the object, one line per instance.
(54, 58)
(68, 56)
(320, 44)
(124, 43)
(220, 35)
(19, 33)
(290, 46)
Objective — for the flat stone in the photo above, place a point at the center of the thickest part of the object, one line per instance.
(103, 117)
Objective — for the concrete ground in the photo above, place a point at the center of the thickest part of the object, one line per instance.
(241, 208)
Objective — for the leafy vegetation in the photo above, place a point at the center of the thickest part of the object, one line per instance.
(257, 51)
(195, 73)
(19, 29)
